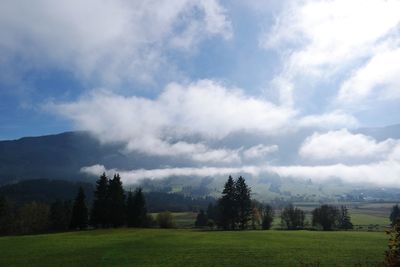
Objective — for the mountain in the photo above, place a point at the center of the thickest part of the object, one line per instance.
(62, 156)
(44, 190)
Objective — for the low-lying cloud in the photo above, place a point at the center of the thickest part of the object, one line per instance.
(384, 173)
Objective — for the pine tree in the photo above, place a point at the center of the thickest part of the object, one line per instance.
(140, 204)
(344, 219)
(227, 205)
(136, 209)
(100, 208)
(130, 210)
(213, 214)
(79, 217)
(117, 202)
(243, 202)
(395, 214)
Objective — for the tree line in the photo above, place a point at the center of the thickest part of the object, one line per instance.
(111, 207)
(236, 210)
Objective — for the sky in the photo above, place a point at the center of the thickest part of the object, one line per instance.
(154, 73)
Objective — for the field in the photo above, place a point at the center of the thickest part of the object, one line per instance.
(158, 247)
(365, 216)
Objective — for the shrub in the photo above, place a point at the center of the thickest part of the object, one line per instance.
(165, 220)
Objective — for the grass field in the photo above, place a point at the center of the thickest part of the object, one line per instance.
(158, 247)
(364, 216)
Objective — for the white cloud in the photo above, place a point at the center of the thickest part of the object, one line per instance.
(96, 169)
(106, 40)
(342, 145)
(331, 33)
(379, 77)
(325, 40)
(259, 151)
(385, 173)
(204, 108)
(334, 119)
(133, 176)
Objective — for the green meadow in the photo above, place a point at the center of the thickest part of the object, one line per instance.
(185, 247)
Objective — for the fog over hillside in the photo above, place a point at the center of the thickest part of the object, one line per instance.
(307, 158)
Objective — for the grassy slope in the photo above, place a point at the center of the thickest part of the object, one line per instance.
(157, 247)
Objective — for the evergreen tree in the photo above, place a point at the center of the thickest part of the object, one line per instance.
(130, 210)
(79, 216)
(3, 205)
(394, 214)
(243, 203)
(227, 206)
(344, 219)
(213, 214)
(392, 254)
(60, 215)
(267, 217)
(201, 220)
(117, 202)
(101, 206)
(7, 217)
(136, 209)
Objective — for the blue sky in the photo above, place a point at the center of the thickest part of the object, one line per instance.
(49, 55)
(153, 74)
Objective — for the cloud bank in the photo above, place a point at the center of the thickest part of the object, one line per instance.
(159, 126)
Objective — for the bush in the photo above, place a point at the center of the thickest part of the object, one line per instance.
(165, 220)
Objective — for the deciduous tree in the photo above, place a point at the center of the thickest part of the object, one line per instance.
(267, 217)
(325, 216)
(292, 218)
